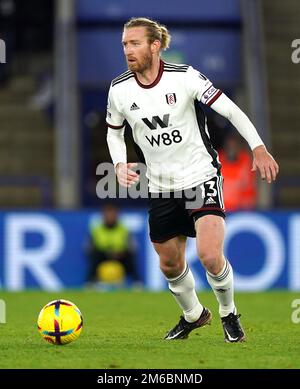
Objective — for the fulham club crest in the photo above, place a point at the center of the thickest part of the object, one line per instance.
(171, 98)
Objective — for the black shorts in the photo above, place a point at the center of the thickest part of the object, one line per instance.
(175, 213)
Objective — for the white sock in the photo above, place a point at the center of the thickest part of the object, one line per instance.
(222, 285)
(183, 290)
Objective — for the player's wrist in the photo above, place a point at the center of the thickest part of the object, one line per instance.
(259, 149)
(118, 166)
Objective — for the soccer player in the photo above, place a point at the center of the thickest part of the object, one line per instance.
(160, 101)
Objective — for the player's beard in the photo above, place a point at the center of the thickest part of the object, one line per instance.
(140, 66)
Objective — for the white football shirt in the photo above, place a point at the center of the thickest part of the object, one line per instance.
(168, 124)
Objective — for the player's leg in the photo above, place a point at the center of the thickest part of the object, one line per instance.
(180, 278)
(182, 285)
(169, 225)
(210, 232)
(171, 256)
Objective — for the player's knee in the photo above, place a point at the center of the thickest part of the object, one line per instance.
(210, 259)
(167, 262)
(170, 266)
(168, 256)
(170, 269)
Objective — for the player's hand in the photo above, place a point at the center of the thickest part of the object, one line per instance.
(126, 176)
(265, 163)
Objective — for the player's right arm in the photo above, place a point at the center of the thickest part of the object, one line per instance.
(116, 144)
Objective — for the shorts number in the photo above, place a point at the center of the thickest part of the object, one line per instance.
(208, 189)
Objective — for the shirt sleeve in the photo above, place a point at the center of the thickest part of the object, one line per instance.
(201, 87)
(227, 108)
(114, 117)
(116, 146)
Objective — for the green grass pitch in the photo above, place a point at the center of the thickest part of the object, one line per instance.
(125, 329)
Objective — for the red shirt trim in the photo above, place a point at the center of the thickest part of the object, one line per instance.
(210, 102)
(156, 81)
(115, 127)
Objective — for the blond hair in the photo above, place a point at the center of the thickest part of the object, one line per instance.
(155, 30)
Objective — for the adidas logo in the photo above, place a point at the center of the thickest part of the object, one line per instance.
(210, 201)
(221, 290)
(134, 107)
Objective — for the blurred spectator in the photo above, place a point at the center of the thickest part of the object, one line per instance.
(239, 182)
(110, 250)
(43, 99)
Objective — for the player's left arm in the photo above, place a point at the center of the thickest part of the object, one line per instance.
(262, 159)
